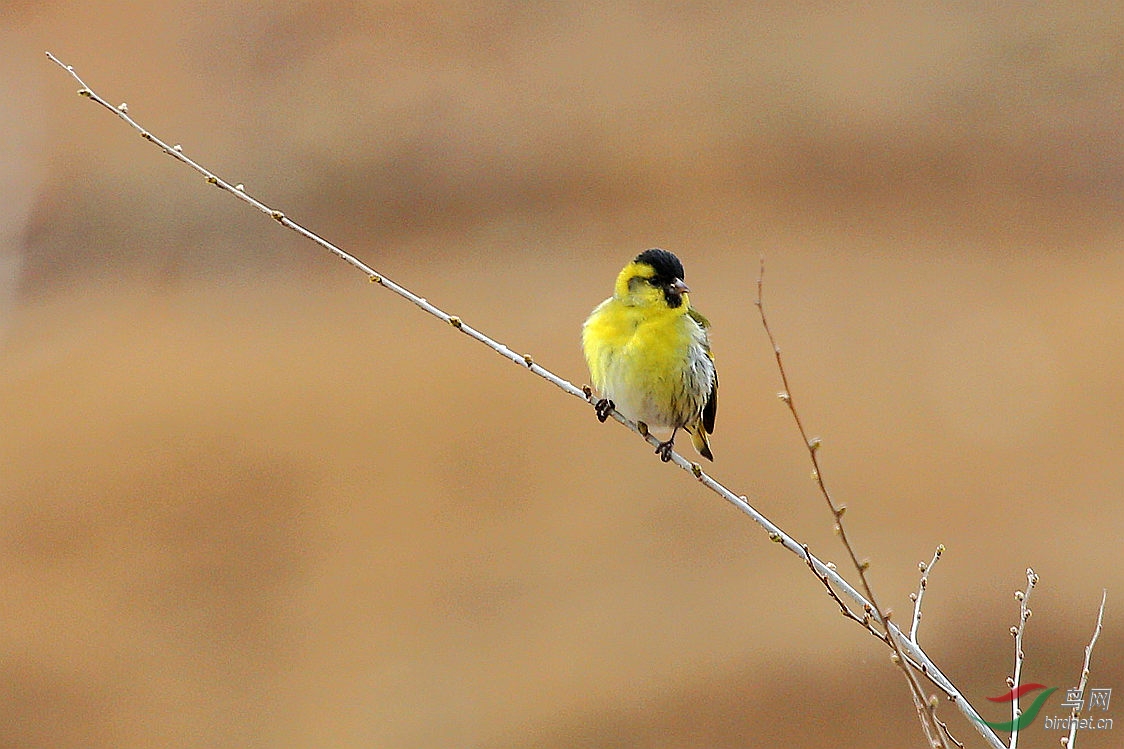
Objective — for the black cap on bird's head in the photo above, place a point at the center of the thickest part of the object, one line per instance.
(667, 266)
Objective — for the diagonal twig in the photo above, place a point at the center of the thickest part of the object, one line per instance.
(1072, 738)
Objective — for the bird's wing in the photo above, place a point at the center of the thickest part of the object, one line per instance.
(698, 317)
(710, 410)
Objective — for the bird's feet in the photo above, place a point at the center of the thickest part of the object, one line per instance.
(603, 407)
(664, 449)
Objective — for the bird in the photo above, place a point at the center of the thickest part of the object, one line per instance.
(648, 353)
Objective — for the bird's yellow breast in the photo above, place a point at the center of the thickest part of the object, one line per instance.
(644, 358)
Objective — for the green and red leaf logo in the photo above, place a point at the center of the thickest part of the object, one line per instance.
(1027, 717)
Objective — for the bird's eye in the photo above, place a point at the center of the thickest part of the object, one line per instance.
(652, 281)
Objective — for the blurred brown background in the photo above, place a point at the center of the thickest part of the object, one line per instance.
(248, 499)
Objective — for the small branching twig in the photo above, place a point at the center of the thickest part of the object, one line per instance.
(906, 652)
(844, 609)
(1023, 597)
(917, 598)
(920, 594)
(935, 731)
(1070, 740)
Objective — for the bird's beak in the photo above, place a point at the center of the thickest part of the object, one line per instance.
(678, 286)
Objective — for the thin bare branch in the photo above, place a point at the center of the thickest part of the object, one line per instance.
(1023, 597)
(1072, 738)
(844, 609)
(926, 708)
(920, 594)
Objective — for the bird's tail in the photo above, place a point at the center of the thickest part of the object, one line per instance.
(700, 440)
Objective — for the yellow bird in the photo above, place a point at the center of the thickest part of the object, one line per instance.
(649, 353)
